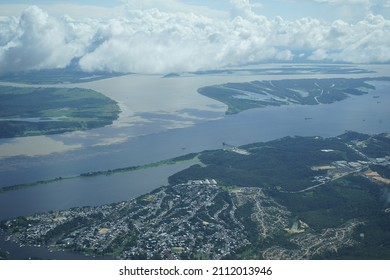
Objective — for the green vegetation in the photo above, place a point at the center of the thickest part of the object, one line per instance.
(29, 111)
(287, 70)
(354, 198)
(34, 184)
(189, 157)
(377, 147)
(56, 76)
(256, 94)
(282, 169)
(186, 158)
(382, 170)
(335, 202)
(280, 163)
(374, 241)
(268, 203)
(3, 255)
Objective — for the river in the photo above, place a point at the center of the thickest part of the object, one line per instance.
(141, 137)
(149, 131)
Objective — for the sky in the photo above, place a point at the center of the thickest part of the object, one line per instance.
(163, 36)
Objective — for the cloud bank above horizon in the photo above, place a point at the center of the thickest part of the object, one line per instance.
(161, 40)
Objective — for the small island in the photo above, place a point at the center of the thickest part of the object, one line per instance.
(30, 111)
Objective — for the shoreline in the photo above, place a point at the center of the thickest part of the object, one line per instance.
(141, 114)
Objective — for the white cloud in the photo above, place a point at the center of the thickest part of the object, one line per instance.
(154, 41)
(350, 11)
(344, 1)
(367, 41)
(243, 8)
(354, 10)
(38, 41)
(173, 6)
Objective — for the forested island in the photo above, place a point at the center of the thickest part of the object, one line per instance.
(28, 111)
(256, 94)
(298, 69)
(291, 198)
(70, 74)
